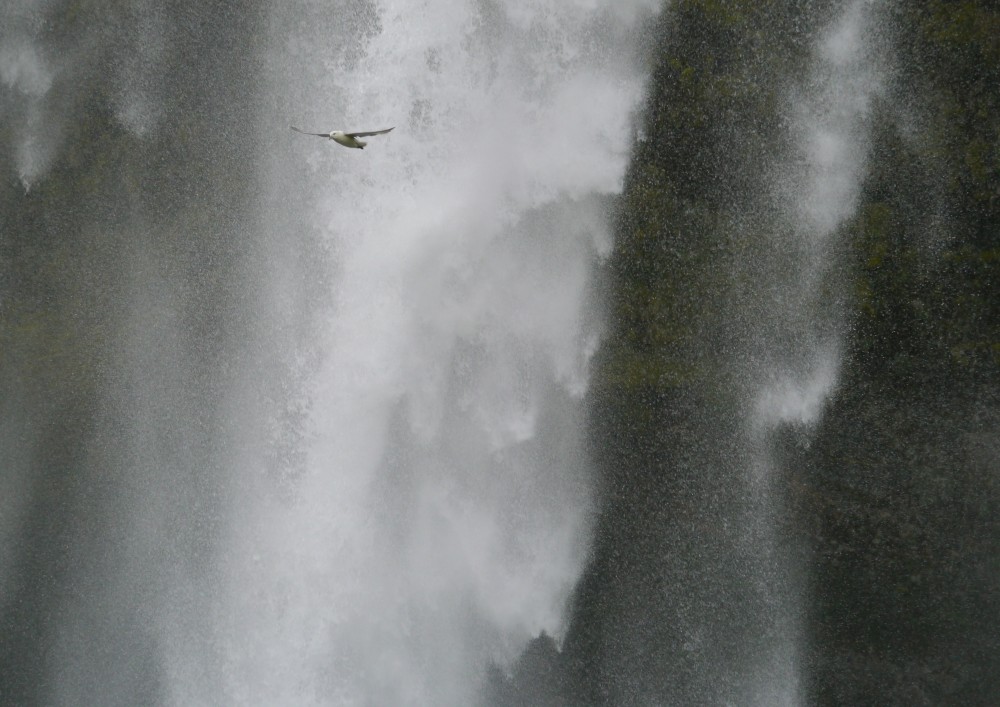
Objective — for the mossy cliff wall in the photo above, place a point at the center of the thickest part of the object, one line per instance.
(886, 508)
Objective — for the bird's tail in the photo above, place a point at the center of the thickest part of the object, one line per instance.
(361, 144)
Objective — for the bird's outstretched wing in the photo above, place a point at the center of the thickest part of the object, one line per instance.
(305, 133)
(371, 132)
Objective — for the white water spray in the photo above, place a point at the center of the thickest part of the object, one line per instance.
(26, 75)
(441, 514)
(818, 191)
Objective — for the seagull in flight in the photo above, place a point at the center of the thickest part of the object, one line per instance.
(346, 139)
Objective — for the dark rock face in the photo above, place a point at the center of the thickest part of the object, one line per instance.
(901, 506)
(903, 496)
(885, 511)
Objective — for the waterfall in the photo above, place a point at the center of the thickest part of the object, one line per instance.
(795, 365)
(330, 446)
(818, 190)
(439, 516)
(649, 359)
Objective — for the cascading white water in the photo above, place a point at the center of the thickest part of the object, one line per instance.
(439, 514)
(819, 192)
(371, 483)
(797, 366)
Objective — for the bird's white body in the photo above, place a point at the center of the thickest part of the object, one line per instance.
(346, 139)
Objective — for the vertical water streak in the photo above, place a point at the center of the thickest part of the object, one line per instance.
(26, 77)
(817, 191)
(797, 366)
